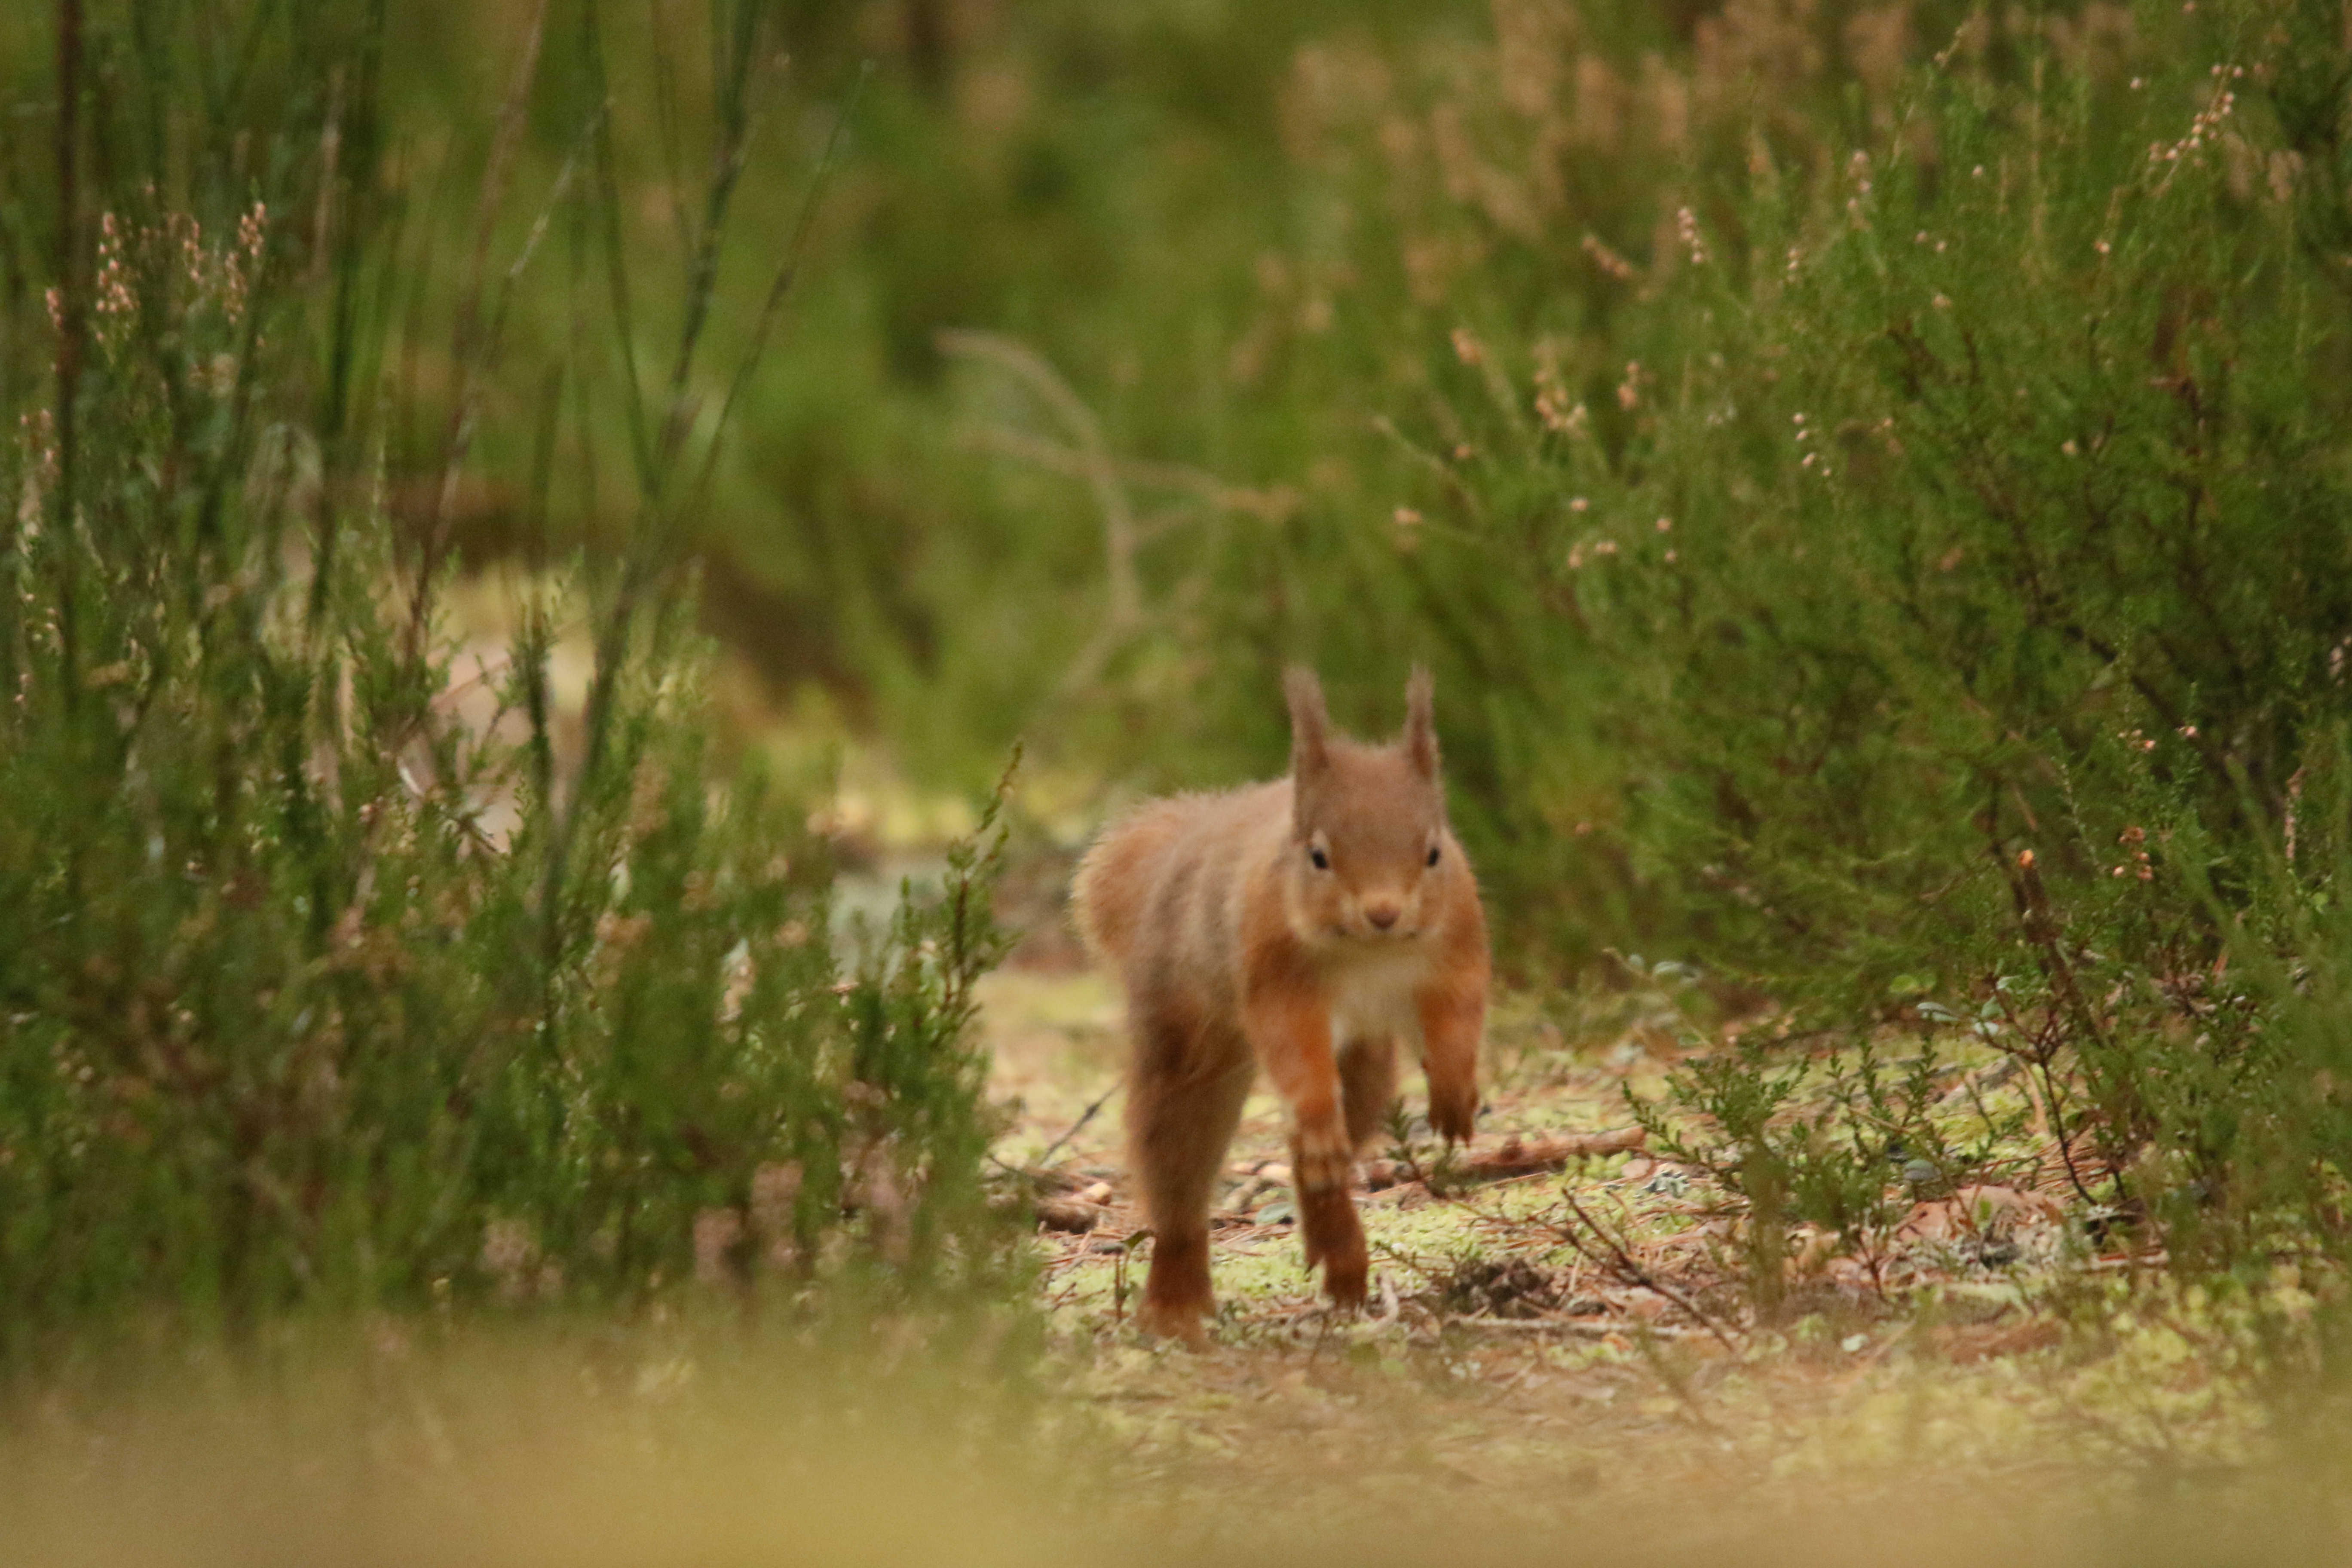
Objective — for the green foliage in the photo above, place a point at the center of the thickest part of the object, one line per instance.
(338, 971)
(1963, 561)
(1869, 480)
(1845, 1146)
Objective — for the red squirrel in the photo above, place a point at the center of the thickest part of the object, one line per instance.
(1305, 927)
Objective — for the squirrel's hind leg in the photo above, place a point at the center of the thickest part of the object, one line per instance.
(1184, 1098)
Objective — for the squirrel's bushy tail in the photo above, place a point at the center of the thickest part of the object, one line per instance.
(1107, 895)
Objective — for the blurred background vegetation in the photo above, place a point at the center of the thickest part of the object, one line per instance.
(1135, 351)
(1871, 480)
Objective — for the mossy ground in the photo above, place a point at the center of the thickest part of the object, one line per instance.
(1570, 1385)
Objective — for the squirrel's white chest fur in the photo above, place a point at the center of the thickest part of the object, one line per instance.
(1373, 993)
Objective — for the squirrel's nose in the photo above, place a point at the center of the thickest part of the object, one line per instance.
(1382, 914)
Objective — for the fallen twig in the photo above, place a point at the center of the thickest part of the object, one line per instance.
(1517, 1155)
(1588, 1328)
(1080, 1125)
(1627, 1268)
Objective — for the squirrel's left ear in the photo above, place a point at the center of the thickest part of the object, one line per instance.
(1420, 726)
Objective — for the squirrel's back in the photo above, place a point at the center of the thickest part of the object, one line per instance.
(1167, 879)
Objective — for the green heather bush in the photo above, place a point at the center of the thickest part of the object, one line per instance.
(1930, 596)
(337, 973)
(1871, 481)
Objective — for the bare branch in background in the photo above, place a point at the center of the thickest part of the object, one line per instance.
(1087, 455)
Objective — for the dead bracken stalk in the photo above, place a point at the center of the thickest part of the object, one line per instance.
(1087, 456)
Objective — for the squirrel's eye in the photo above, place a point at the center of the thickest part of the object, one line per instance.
(1322, 861)
(1432, 854)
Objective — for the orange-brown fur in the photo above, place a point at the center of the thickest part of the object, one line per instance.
(1239, 951)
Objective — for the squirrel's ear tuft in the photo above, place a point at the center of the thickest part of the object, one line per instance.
(1420, 724)
(1309, 723)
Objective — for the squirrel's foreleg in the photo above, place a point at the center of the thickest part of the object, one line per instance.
(1452, 1020)
(1289, 1027)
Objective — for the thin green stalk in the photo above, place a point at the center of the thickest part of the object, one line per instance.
(734, 69)
(616, 268)
(473, 349)
(779, 287)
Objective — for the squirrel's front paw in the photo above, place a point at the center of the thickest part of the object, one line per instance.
(1454, 1110)
(1322, 1160)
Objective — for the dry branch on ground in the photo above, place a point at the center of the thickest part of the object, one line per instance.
(1517, 1155)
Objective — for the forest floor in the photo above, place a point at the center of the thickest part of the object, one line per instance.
(1564, 1340)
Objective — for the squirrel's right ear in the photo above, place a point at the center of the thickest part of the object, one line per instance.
(1309, 723)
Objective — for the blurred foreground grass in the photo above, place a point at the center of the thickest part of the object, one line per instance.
(2026, 1416)
(663, 1448)
(2029, 1418)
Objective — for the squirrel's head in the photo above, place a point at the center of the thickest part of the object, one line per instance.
(1372, 860)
